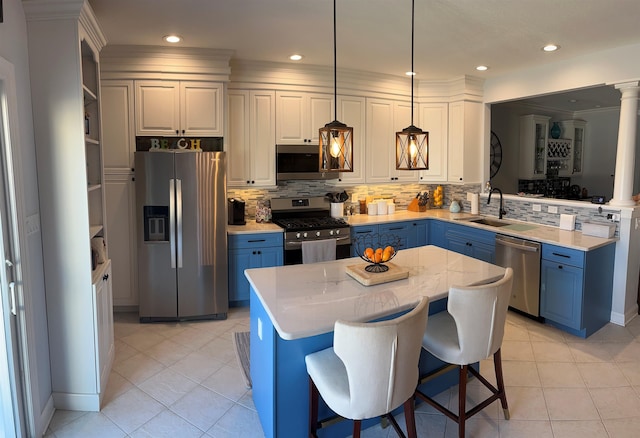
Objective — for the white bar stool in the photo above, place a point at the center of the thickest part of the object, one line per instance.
(371, 370)
(469, 331)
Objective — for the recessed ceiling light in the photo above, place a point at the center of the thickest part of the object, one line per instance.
(295, 57)
(482, 68)
(550, 47)
(410, 73)
(172, 38)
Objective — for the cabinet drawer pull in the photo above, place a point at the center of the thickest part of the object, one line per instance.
(561, 255)
(559, 266)
(256, 240)
(363, 232)
(396, 228)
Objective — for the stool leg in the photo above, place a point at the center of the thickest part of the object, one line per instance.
(356, 428)
(313, 409)
(497, 363)
(410, 418)
(462, 397)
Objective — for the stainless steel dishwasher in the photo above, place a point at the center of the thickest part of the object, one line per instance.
(523, 256)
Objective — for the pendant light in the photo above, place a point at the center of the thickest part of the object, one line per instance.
(412, 143)
(336, 138)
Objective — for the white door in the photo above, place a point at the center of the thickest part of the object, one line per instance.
(16, 418)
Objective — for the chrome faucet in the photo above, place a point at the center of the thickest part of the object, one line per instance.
(501, 210)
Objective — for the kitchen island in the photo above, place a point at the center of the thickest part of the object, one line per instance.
(294, 308)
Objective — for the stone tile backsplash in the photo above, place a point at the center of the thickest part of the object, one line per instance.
(403, 194)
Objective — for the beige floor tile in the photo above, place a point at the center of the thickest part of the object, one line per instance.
(475, 395)
(614, 403)
(116, 386)
(517, 350)
(542, 332)
(202, 407)
(612, 333)
(132, 409)
(602, 375)
(631, 371)
(525, 429)
(428, 426)
(629, 353)
(168, 352)
(520, 373)
(570, 404)
(623, 428)
(579, 429)
(595, 351)
(167, 386)
(476, 427)
(142, 340)
(226, 381)
(548, 351)
(560, 375)
(138, 368)
(526, 403)
(93, 424)
(515, 332)
(197, 366)
(237, 422)
(167, 425)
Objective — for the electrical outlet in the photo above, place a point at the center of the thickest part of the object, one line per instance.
(615, 217)
(552, 209)
(537, 207)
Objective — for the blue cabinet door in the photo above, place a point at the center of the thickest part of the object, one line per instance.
(420, 233)
(239, 260)
(362, 237)
(395, 234)
(481, 251)
(437, 231)
(561, 289)
(246, 251)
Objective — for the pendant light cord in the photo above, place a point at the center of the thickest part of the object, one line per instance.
(413, 72)
(335, 66)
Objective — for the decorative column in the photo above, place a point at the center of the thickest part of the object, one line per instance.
(626, 154)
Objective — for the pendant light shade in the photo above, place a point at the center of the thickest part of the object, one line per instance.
(336, 138)
(412, 143)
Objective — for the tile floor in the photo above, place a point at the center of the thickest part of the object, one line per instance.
(182, 380)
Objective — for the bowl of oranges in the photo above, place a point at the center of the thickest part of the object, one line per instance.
(377, 250)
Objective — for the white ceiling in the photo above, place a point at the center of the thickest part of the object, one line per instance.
(451, 36)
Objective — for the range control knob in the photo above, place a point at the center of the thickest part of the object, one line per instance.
(331, 233)
(297, 235)
(337, 231)
(317, 233)
(304, 235)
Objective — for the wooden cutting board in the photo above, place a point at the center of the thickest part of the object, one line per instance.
(394, 273)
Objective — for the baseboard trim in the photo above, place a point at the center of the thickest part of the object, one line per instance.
(76, 402)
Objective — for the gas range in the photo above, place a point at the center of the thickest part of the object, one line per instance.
(308, 219)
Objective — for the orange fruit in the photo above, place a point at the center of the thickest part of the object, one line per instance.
(368, 253)
(387, 253)
(378, 257)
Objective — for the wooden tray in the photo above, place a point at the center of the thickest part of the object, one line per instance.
(365, 278)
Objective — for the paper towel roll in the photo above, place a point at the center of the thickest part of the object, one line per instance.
(474, 198)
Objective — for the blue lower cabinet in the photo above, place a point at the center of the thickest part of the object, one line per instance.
(437, 230)
(395, 234)
(362, 237)
(248, 251)
(576, 288)
(479, 244)
(419, 233)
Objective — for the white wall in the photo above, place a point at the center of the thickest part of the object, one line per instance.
(13, 48)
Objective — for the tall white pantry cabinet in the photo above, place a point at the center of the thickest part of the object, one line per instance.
(64, 43)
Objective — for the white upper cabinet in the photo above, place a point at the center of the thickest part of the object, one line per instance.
(384, 119)
(171, 108)
(251, 139)
(300, 115)
(351, 111)
(117, 121)
(534, 134)
(575, 130)
(464, 152)
(434, 119)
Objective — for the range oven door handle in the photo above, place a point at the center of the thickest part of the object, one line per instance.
(298, 243)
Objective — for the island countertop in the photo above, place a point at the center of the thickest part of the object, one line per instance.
(306, 300)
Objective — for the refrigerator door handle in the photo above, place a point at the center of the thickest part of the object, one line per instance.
(172, 222)
(179, 219)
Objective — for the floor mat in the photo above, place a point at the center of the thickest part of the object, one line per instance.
(241, 343)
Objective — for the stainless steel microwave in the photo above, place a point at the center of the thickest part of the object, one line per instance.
(300, 162)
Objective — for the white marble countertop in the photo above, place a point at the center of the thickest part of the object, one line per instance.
(254, 227)
(306, 300)
(524, 230)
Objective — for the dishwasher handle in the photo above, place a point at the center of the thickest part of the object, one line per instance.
(523, 245)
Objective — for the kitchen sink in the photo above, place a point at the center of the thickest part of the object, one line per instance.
(490, 222)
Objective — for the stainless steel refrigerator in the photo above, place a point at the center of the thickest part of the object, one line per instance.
(182, 238)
